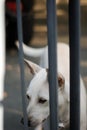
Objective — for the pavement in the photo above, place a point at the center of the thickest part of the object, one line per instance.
(12, 87)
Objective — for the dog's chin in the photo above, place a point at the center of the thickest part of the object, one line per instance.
(35, 123)
(32, 123)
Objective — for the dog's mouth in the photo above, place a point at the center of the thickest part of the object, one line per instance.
(33, 124)
(43, 120)
(30, 123)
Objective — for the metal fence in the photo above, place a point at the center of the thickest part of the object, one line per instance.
(74, 41)
(74, 36)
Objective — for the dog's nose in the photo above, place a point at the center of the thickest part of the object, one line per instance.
(29, 122)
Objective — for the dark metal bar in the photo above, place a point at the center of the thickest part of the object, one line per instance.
(74, 35)
(21, 60)
(52, 32)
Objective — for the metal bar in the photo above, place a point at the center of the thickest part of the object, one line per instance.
(53, 85)
(74, 35)
(2, 58)
(21, 57)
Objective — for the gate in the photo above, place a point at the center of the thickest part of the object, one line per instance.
(74, 41)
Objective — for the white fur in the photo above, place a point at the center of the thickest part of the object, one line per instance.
(39, 88)
(29, 51)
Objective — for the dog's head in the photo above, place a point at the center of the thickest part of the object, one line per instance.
(38, 94)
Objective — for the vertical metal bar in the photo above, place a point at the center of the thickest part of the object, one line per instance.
(74, 35)
(21, 57)
(2, 58)
(53, 85)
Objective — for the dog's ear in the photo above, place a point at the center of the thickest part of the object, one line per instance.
(34, 68)
(61, 80)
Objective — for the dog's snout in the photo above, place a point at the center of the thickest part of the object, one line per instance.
(28, 122)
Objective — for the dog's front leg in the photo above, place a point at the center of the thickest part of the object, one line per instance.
(39, 127)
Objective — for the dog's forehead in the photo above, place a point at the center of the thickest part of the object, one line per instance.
(38, 83)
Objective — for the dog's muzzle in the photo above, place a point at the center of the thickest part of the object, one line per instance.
(61, 126)
(29, 123)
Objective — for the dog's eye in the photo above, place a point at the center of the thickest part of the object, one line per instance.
(28, 97)
(42, 101)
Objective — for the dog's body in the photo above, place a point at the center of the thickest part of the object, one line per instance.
(38, 90)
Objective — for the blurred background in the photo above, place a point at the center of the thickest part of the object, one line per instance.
(34, 17)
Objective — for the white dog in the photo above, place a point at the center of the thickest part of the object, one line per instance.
(38, 90)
